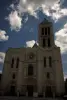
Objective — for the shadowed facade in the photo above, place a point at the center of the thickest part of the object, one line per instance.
(35, 71)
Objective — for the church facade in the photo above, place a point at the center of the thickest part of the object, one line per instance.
(34, 71)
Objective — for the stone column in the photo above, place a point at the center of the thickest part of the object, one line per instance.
(53, 94)
(27, 94)
(44, 94)
(18, 93)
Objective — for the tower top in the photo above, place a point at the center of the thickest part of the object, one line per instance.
(46, 38)
(46, 21)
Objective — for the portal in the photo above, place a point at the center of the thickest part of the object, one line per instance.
(12, 90)
(30, 90)
(48, 92)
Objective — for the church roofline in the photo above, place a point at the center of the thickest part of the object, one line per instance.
(34, 46)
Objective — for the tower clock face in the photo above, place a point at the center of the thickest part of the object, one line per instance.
(31, 55)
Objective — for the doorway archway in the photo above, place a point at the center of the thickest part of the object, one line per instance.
(30, 90)
(12, 90)
(48, 91)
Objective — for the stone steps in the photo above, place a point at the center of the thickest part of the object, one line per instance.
(25, 98)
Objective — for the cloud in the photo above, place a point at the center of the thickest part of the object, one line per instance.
(61, 39)
(31, 6)
(2, 57)
(52, 8)
(12, 6)
(15, 20)
(30, 43)
(55, 12)
(0, 71)
(26, 19)
(3, 36)
(65, 76)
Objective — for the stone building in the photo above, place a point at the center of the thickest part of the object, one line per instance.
(34, 71)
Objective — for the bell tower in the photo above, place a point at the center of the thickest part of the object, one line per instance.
(45, 34)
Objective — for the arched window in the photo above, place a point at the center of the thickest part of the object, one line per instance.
(12, 63)
(30, 69)
(48, 30)
(17, 64)
(42, 31)
(49, 42)
(48, 75)
(50, 61)
(44, 42)
(13, 76)
(44, 61)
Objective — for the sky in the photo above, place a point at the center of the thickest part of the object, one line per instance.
(19, 20)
